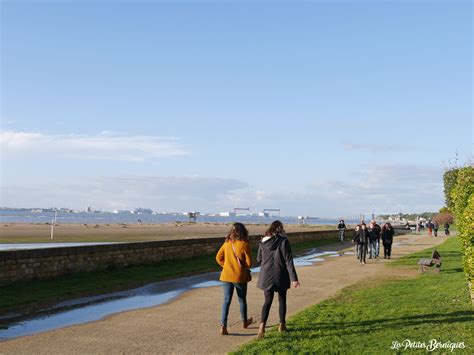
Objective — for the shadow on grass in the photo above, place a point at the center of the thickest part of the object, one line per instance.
(343, 328)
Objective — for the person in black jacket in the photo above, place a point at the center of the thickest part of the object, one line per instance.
(446, 229)
(342, 230)
(362, 239)
(356, 229)
(277, 272)
(435, 228)
(375, 231)
(387, 239)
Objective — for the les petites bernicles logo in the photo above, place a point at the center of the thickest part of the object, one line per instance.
(431, 345)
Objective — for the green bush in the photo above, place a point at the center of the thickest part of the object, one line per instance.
(450, 179)
(462, 199)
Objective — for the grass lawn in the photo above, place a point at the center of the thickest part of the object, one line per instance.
(368, 318)
(33, 292)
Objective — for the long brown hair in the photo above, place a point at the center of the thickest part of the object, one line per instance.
(238, 231)
(275, 227)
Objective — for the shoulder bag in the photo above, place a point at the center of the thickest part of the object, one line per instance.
(249, 274)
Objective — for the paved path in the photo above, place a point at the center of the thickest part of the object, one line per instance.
(190, 324)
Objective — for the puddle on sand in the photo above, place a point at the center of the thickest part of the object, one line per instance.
(88, 309)
(93, 308)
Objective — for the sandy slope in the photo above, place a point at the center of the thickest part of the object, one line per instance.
(190, 324)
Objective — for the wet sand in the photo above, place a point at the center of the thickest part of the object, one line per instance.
(40, 233)
(190, 324)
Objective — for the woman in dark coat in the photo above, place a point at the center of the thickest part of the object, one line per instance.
(387, 239)
(277, 272)
(362, 239)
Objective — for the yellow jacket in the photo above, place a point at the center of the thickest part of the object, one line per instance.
(231, 271)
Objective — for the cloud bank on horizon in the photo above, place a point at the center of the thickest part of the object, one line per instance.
(314, 108)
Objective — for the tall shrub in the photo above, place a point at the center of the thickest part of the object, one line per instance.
(462, 199)
(450, 178)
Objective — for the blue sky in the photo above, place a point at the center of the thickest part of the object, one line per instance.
(320, 108)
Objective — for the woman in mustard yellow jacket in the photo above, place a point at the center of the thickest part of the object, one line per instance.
(235, 259)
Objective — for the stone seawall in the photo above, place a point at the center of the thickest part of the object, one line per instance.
(16, 265)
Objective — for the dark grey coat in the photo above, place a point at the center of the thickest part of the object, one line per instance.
(277, 268)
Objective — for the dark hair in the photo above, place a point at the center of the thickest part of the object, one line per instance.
(341, 221)
(387, 225)
(238, 232)
(275, 227)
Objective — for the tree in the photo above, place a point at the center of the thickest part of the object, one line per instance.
(444, 217)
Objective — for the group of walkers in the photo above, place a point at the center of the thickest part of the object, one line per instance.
(368, 239)
(277, 272)
(433, 227)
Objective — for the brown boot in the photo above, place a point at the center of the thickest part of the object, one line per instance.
(224, 330)
(246, 323)
(282, 327)
(261, 331)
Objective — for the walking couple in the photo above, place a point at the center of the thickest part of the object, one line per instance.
(277, 272)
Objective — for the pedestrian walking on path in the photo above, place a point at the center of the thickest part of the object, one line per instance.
(235, 259)
(435, 228)
(376, 230)
(387, 240)
(429, 225)
(342, 230)
(356, 229)
(372, 239)
(446, 229)
(277, 272)
(362, 239)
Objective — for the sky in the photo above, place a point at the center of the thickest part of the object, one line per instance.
(317, 108)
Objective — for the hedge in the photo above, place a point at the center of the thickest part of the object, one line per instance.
(462, 198)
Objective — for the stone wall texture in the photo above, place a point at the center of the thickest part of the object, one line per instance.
(17, 265)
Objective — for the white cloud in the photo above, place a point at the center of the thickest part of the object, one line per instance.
(104, 146)
(156, 192)
(384, 188)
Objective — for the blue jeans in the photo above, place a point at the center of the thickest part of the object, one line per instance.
(372, 249)
(341, 235)
(228, 293)
(377, 247)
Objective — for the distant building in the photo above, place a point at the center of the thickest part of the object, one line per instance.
(227, 214)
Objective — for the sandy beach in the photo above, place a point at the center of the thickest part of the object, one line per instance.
(40, 232)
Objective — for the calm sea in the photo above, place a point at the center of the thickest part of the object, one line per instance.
(112, 218)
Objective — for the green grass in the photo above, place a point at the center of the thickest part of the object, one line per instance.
(367, 318)
(32, 293)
